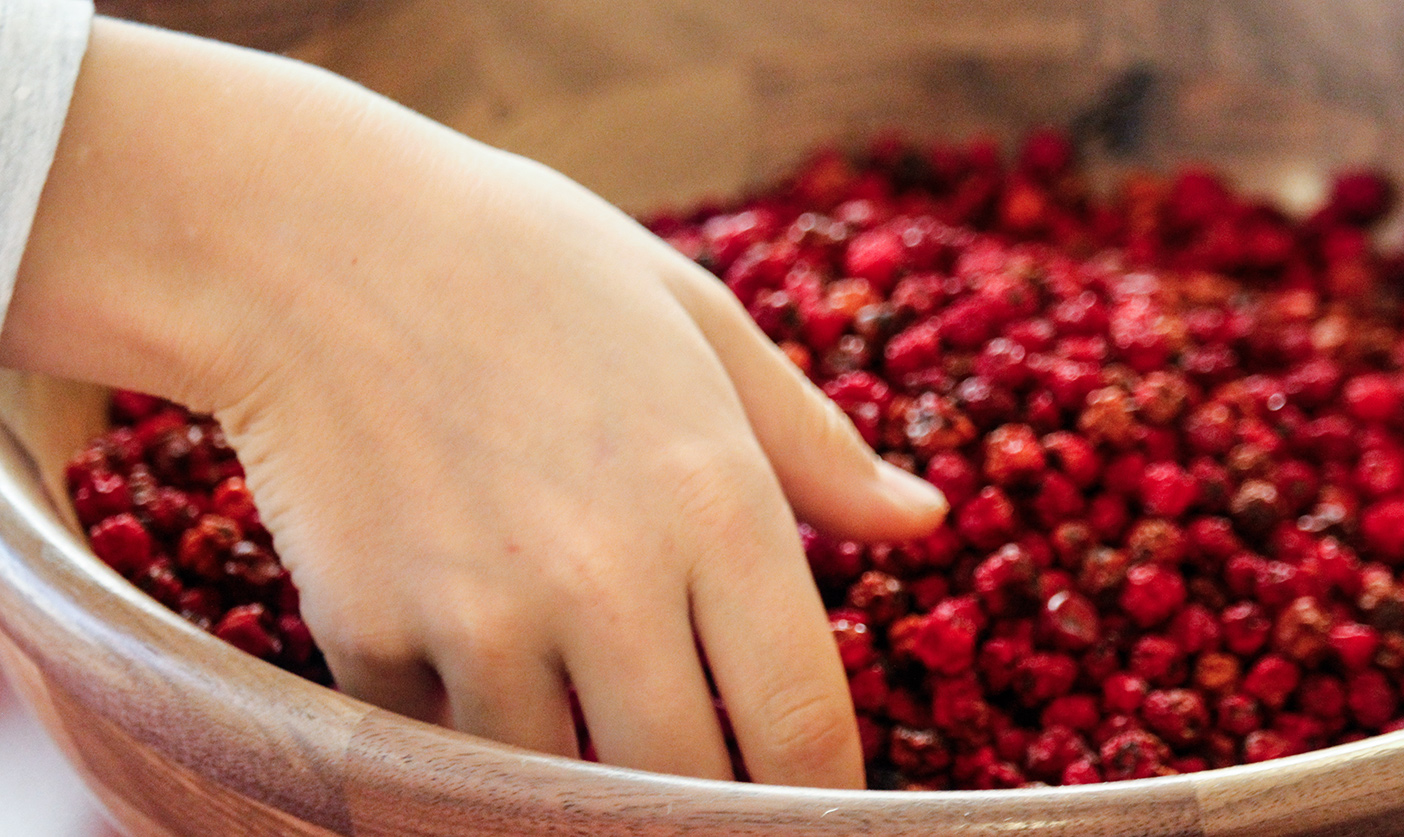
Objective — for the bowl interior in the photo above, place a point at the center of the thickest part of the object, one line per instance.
(663, 103)
(263, 24)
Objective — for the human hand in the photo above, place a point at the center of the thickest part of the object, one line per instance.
(507, 442)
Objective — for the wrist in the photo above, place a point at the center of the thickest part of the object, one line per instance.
(174, 226)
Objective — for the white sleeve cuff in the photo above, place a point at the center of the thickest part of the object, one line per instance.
(41, 47)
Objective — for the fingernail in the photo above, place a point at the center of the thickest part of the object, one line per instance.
(912, 491)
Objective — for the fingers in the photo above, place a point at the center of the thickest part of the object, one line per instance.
(830, 476)
(488, 682)
(409, 687)
(510, 697)
(643, 692)
(766, 634)
(503, 679)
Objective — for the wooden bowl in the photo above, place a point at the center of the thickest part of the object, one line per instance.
(655, 102)
(181, 734)
(263, 24)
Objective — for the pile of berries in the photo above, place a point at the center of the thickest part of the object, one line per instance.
(163, 500)
(1170, 424)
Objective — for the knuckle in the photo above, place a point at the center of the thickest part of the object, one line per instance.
(587, 571)
(721, 492)
(483, 643)
(371, 642)
(593, 593)
(808, 731)
(576, 571)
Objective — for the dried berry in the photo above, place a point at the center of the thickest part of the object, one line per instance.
(1178, 716)
(1272, 680)
(945, 639)
(123, 543)
(1013, 455)
(1135, 754)
(1167, 490)
(1152, 594)
(1070, 620)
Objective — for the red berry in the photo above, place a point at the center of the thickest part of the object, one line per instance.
(854, 639)
(1047, 154)
(987, 521)
(129, 407)
(122, 543)
(1209, 429)
(1074, 457)
(204, 547)
(1167, 490)
(1354, 644)
(1041, 677)
(1361, 197)
(958, 707)
(1004, 363)
(1161, 397)
(1238, 714)
(246, 628)
(877, 256)
(1216, 672)
(880, 597)
(1152, 594)
(1135, 754)
(1371, 697)
(1081, 772)
(1373, 397)
(833, 563)
(1264, 745)
(1070, 620)
(1246, 628)
(1272, 680)
(1079, 712)
(1123, 692)
(1007, 581)
(918, 752)
(101, 495)
(1156, 541)
(945, 639)
(1302, 632)
(1196, 629)
(1382, 529)
(915, 349)
(1158, 660)
(1051, 753)
(1323, 696)
(1013, 455)
(1178, 716)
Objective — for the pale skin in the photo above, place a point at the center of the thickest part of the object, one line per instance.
(506, 440)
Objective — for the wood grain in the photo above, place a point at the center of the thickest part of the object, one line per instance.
(663, 102)
(264, 24)
(1279, 92)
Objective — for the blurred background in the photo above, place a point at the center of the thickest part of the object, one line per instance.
(40, 796)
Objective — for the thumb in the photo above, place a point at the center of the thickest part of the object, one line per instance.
(832, 478)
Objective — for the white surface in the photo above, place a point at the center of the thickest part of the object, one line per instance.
(40, 796)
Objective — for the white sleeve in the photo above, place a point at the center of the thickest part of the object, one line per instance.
(41, 45)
